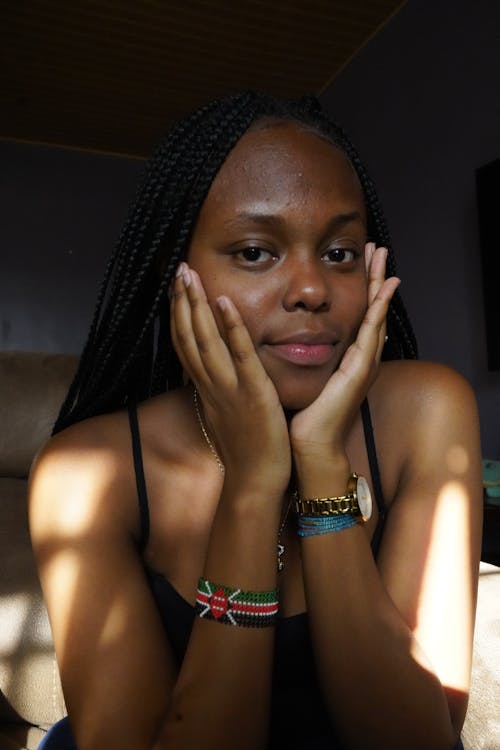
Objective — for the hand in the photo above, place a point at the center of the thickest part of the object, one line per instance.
(241, 407)
(319, 431)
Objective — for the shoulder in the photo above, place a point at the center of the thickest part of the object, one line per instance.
(417, 392)
(421, 378)
(425, 420)
(82, 480)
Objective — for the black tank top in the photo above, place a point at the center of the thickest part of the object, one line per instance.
(299, 719)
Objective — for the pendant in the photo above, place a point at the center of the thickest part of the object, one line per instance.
(281, 551)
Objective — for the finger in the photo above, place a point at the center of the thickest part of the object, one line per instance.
(213, 358)
(376, 272)
(360, 362)
(370, 248)
(182, 330)
(378, 276)
(382, 337)
(235, 347)
(211, 346)
(246, 362)
(381, 340)
(371, 333)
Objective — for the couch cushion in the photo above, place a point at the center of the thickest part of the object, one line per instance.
(32, 388)
(481, 730)
(29, 678)
(20, 737)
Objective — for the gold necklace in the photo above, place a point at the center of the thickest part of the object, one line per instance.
(213, 450)
(205, 433)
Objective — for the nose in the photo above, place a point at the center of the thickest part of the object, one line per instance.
(306, 287)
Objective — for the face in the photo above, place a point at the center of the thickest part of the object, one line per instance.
(282, 233)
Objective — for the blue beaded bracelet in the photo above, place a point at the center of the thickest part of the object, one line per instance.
(315, 525)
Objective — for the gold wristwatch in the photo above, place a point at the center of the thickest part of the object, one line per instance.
(357, 501)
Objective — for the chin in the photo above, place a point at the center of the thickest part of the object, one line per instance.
(297, 395)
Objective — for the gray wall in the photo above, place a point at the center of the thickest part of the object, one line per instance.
(422, 103)
(60, 212)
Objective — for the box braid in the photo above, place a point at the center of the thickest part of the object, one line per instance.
(128, 354)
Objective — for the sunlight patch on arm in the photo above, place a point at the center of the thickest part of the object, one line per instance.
(114, 625)
(444, 617)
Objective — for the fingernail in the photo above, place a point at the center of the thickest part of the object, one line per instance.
(222, 303)
(179, 270)
(186, 276)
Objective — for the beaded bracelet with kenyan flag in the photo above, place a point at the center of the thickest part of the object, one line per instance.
(248, 609)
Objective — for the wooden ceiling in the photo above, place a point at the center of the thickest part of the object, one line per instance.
(111, 75)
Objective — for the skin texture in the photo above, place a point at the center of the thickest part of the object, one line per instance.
(285, 211)
(300, 277)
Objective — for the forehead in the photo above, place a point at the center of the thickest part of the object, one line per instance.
(281, 163)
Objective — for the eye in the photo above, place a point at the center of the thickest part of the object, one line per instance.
(255, 255)
(339, 255)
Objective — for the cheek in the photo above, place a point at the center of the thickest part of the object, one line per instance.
(255, 308)
(252, 303)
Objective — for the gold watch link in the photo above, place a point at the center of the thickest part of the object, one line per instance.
(340, 505)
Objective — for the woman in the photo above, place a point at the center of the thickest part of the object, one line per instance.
(244, 311)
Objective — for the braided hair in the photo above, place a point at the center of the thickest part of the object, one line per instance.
(128, 355)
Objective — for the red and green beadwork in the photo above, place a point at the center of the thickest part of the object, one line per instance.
(250, 609)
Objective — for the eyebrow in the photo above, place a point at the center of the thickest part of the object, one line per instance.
(272, 220)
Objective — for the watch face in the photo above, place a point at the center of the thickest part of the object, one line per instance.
(364, 498)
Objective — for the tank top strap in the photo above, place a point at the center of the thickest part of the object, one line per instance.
(375, 474)
(372, 457)
(139, 476)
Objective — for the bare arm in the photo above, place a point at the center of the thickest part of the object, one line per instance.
(116, 667)
(119, 678)
(393, 643)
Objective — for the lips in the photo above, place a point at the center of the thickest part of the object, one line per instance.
(304, 348)
(304, 354)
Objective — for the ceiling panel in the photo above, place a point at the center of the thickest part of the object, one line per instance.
(112, 75)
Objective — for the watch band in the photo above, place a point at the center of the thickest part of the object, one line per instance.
(332, 506)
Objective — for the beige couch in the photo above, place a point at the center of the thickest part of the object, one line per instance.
(32, 387)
